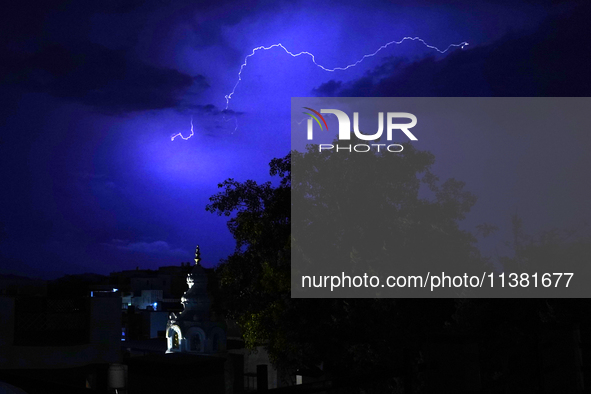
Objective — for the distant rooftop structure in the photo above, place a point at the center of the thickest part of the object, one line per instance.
(193, 331)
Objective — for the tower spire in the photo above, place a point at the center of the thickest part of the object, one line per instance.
(197, 255)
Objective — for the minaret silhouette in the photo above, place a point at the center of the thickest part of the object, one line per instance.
(193, 330)
(197, 255)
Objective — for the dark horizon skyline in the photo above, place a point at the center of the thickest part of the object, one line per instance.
(93, 93)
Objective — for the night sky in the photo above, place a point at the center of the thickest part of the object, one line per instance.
(93, 91)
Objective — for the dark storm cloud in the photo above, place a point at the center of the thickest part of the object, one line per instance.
(48, 47)
(100, 77)
(552, 61)
(328, 89)
(201, 82)
(26, 19)
(208, 109)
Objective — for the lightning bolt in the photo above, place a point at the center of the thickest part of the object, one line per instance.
(181, 135)
(255, 50)
(228, 97)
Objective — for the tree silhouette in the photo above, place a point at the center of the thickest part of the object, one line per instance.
(364, 213)
(510, 332)
(360, 338)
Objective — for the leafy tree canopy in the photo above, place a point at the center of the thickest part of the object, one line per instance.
(346, 335)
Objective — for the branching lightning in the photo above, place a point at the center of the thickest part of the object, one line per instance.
(228, 97)
(255, 50)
